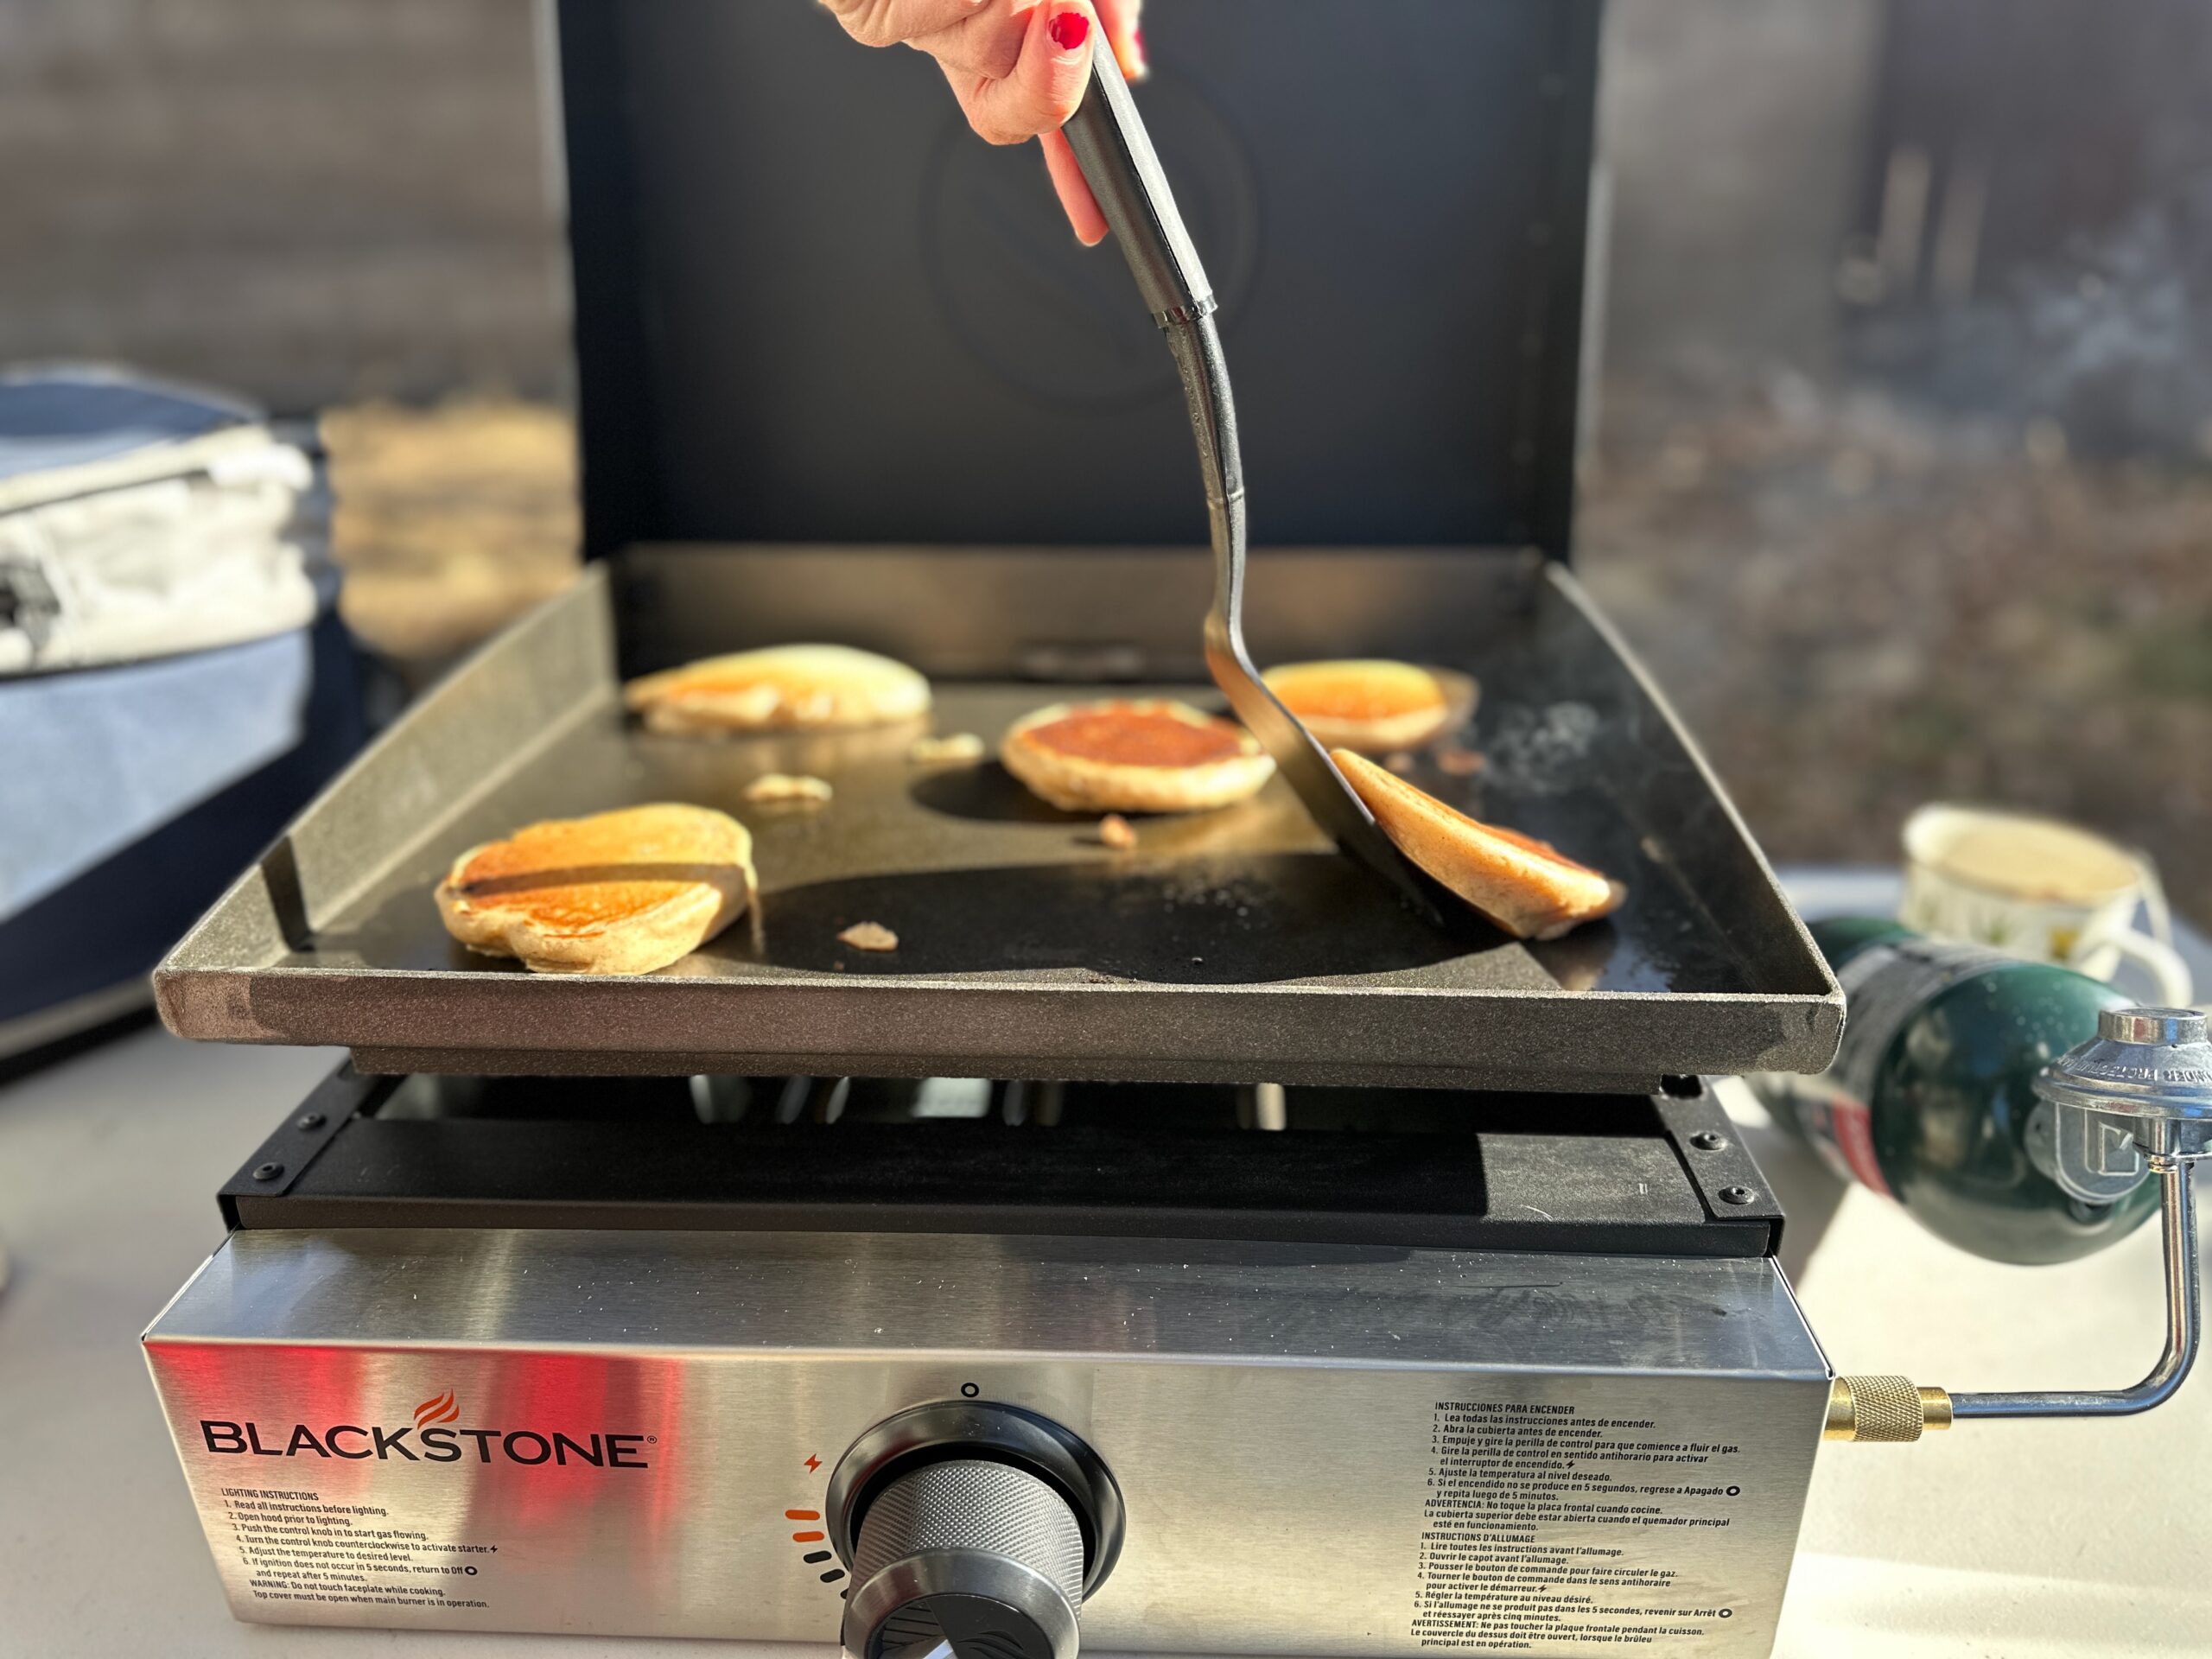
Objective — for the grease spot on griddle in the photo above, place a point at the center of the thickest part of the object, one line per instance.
(1543, 749)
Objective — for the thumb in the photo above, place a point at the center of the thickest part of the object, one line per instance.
(1048, 82)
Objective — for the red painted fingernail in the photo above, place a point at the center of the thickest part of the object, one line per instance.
(1070, 29)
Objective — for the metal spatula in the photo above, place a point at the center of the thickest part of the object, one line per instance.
(1118, 160)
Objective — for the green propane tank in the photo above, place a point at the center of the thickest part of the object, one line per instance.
(1931, 1102)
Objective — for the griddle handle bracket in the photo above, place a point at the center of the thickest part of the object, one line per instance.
(277, 1164)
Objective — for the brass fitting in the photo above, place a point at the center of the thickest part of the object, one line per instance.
(1887, 1408)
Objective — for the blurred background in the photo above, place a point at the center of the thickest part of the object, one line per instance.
(1898, 461)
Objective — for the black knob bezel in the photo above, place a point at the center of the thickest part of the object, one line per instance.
(986, 1432)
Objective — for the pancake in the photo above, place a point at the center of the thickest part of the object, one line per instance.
(1372, 707)
(784, 688)
(1526, 886)
(1139, 755)
(622, 892)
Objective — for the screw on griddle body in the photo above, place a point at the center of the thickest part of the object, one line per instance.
(310, 1120)
(267, 1172)
(1737, 1195)
(1707, 1140)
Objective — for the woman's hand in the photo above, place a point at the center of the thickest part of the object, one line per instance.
(1019, 68)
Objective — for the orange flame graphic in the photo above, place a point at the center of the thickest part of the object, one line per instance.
(443, 1409)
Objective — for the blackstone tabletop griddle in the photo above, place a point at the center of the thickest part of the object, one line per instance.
(1192, 1241)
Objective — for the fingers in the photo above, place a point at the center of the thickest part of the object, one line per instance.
(1048, 82)
(883, 22)
(986, 46)
(1120, 19)
(1019, 69)
(1074, 190)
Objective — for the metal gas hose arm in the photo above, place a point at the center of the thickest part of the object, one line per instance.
(2145, 1084)
(2177, 1218)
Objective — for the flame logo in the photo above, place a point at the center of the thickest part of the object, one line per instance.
(443, 1409)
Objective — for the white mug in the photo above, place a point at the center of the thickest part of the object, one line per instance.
(2038, 888)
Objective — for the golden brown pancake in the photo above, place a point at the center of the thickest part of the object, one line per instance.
(784, 688)
(1370, 706)
(622, 892)
(1529, 887)
(1137, 755)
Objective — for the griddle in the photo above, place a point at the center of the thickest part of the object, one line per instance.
(791, 355)
(1232, 946)
(844, 376)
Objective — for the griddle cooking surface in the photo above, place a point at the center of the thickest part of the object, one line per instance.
(981, 881)
(1230, 945)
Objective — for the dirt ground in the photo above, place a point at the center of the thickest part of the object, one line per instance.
(1856, 609)
(451, 521)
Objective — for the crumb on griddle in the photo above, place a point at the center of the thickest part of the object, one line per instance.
(1457, 762)
(959, 749)
(869, 936)
(1116, 832)
(782, 789)
(1401, 762)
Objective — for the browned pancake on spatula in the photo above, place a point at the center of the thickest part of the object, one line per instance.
(1529, 887)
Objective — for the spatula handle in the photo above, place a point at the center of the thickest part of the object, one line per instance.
(1115, 153)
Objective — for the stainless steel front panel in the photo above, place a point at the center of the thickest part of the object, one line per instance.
(1322, 1452)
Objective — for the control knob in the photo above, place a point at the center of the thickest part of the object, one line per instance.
(972, 1531)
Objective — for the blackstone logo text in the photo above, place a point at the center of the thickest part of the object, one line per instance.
(523, 1446)
(433, 1442)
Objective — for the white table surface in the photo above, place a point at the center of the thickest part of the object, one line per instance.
(2042, 1541)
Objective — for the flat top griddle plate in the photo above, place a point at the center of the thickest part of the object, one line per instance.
(983, 883)
(1230, 945)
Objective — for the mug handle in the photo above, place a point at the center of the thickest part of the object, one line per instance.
(2177, 985)
(2156, 911)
